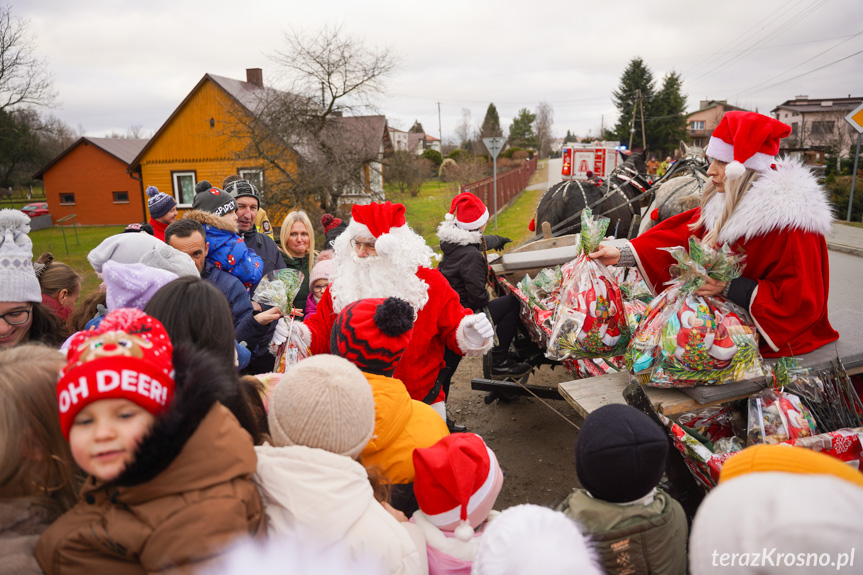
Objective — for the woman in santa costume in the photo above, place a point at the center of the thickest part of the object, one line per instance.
(775, 212)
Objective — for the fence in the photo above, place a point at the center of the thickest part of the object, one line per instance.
(509, 185)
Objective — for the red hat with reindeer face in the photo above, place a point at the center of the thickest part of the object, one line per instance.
(746, 140)
(128, 357)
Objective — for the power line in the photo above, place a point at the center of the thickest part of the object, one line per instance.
(811, 71)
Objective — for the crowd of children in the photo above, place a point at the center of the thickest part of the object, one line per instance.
(151, 452)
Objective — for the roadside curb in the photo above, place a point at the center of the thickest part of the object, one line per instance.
(845, 249)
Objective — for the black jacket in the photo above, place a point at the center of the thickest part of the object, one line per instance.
(464, 265)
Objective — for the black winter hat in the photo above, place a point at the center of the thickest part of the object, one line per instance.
(243, 189)
(214, 201)
(202, 186)
(620, 453)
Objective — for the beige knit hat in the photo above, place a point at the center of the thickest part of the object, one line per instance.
(325, 402)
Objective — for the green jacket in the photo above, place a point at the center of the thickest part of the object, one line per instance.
(638, 539)
(301, 264)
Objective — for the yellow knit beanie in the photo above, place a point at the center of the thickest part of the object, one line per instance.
(787, 459)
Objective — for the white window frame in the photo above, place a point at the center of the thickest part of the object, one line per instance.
(696, 125)
(176, 186)
(258, 181)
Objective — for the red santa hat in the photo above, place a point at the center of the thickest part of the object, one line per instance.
(746, 140)
(380, 221)
(127, 357)
(457, 482)
(467, 211)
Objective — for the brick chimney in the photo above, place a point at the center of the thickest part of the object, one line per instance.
(255, 76)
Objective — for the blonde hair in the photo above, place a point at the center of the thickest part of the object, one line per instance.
(285, 233)
(35, 460)
(734, 192)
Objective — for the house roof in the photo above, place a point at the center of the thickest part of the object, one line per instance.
(714, 104)
(816, 105)
(246, 94)
(124, 149)
(414, 139)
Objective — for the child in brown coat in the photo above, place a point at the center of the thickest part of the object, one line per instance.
(169, 466)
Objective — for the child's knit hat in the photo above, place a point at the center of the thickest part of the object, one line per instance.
(457, 482)
(321, 271)
(373, 334)
(18, 281)
(158, 203)
(132, 285)
(323, 402)
(122, 248)
(620, 453)
(129, 356)
(164, 257)
(214, 201)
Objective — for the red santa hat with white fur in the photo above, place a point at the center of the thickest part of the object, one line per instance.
(746, 140)
(467, 212)
(457, 482)
(382, 222)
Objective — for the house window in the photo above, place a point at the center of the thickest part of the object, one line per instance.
(793, 128)
(821, 128)
(67, 199)
(254, 175)
(699, 125)
(184, 187)
(120, 197)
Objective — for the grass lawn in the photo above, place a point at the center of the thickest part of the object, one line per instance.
(51, 240)
(854, 224)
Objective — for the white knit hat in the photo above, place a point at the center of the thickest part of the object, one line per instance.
(326, 402)
(534, 539)
(164, 257)
(18, 281)
(122, 248)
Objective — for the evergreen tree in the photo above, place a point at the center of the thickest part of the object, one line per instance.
(417, 128)
(570, 137)
(637, 76)
(491, 123)
(521, 132)
(668, 124)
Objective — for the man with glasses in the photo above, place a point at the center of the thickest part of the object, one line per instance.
(379, 256)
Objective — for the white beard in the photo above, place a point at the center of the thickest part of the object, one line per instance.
(355, 278)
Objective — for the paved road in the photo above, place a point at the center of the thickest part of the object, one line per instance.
(846, 274)
(554, 167)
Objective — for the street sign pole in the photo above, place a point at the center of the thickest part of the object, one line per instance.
(854, 176)
(494, 146)
(855, 118)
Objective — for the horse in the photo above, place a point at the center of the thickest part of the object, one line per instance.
(562, 203)
(679, 190)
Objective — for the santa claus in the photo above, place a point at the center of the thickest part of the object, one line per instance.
(379, 256)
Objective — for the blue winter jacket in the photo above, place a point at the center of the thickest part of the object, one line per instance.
(228, 251)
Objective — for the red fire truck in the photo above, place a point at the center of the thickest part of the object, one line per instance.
(599, 157)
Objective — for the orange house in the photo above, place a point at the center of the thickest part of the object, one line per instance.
(199, 140)
(90, 179)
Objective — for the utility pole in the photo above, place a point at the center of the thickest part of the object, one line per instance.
(632, 121)
(643, 135)
(602, 127)
(439, 131)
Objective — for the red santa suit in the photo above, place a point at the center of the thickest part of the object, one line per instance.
(780, 223)
(440, 320)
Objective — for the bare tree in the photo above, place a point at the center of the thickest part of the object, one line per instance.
(542, 128)
(464, 129)
(24, 77)
(407, 171)
(134, 132)
(313, 151)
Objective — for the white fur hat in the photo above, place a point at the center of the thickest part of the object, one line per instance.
(534, 539)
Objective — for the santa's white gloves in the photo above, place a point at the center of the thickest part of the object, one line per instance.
(477, 330)
(281, 334)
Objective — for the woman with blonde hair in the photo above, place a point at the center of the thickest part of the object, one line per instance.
(771, 209)
(298, 250)
(39, 480)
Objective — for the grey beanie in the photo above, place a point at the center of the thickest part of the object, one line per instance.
(325, 402)
(243, 189)
(164, 257)
(18, 281)
(122, 248)
(214, 201)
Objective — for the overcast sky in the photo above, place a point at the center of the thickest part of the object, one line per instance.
(118, 63)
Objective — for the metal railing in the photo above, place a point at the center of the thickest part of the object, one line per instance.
(509, 185)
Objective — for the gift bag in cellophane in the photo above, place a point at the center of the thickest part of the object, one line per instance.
(279, 288)
(689, 339)
(590, 319)
(776, 416)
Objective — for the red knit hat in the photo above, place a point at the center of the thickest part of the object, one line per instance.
(127, 357)
(746, 140)
(457, 482)
(468, 211)
(329, 222)
(373, 334)
(379, 218)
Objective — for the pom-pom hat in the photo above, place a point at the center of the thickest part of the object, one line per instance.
(158, 203)
(214, 201)
(373, 333)
(467, 211)
(127, 357)
(18, 281)
(746, 140)
(457, 482)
